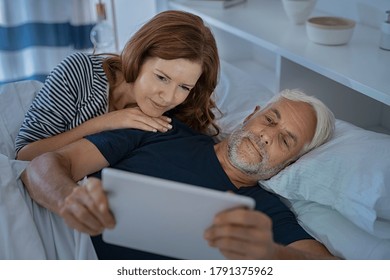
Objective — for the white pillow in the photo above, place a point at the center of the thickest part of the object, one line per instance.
(340, 236)
(15, 99)
(236, 96)
(350, 173)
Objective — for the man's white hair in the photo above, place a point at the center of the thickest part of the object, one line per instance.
(325, 119)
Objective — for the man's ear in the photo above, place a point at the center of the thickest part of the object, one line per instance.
(257, 108)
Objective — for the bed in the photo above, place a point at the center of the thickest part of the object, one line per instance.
(28, 231)
(339, 192)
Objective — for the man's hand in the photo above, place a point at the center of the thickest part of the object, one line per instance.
(242, 234)
(86, 208)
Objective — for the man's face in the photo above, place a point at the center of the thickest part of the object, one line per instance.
(271, 138)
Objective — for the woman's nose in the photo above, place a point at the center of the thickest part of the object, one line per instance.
(168, 95)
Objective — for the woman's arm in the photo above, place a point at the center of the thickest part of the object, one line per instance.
(125, 118)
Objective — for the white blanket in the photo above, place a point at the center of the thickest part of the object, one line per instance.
(28, 231)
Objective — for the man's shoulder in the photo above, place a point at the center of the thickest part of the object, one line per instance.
(266, 198)
(178, 132)
(185, 129)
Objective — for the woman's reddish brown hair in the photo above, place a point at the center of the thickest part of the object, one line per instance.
(173, 35)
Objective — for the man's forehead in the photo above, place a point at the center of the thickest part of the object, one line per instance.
(300, 115)
(285, 106)
(272, 107)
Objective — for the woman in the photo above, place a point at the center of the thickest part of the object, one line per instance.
(170, 64)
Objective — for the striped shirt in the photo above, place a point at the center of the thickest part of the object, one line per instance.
(74, 92)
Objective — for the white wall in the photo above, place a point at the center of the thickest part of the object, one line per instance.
(130, 15)
(369, 12)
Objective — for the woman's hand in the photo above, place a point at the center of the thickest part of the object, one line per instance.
(86, 208)
(134, 118)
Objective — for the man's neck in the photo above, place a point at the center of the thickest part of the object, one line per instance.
(238, 178)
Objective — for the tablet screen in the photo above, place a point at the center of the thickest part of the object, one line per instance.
(164, 217)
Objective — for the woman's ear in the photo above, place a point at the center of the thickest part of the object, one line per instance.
(257, 108)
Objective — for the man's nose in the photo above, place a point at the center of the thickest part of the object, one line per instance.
(266, 136)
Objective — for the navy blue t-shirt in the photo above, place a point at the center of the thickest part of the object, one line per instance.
(189, 157)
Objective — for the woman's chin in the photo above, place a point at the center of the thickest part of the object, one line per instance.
(152, 112)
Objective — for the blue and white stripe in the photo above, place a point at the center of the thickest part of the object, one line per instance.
(36, 35)
(75, 91)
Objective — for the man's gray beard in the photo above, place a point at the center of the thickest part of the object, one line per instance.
(256, 170)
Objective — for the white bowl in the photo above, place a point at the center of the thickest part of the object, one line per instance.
(330, 30)
(298, 10)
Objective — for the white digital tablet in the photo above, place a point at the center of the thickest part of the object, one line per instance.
(164, 217)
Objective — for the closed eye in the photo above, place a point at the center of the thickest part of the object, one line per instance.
(185, 88)
(284, 140)
(289, 140)
(161, 78)
(269, 120)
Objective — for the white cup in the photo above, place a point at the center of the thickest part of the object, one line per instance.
(298, 11)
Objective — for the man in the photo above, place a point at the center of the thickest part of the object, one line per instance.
(289, 126)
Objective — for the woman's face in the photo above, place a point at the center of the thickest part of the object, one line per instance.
(163, 84)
